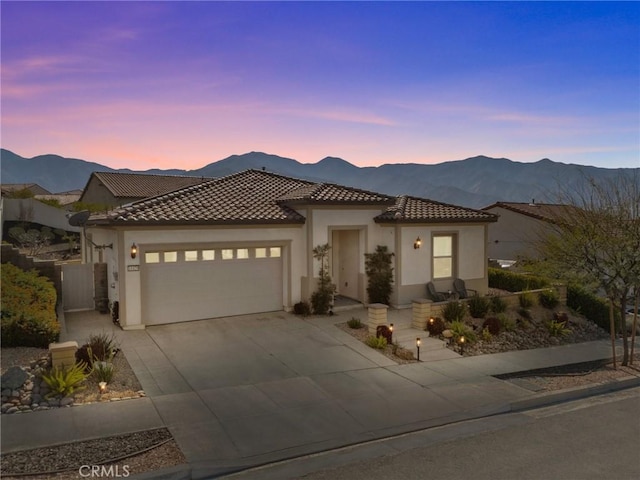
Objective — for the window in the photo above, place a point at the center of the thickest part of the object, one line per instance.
(274, 252)
(227, 253)
(152, 257)
(191, 256)
(242, 253)
(170, 257)
(443, 251)
(261, 253)
(208, 255)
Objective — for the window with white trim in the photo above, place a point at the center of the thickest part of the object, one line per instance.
(443, 256)
(152, 257)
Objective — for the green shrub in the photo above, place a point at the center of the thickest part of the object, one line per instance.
(557, 329)
(493, 325)
(376, 342)
(548, 298)
(507, 324)
(322, 298)
(461, 329)
(454, 311)
(379, 275)
(99, 348)
(526, 300)
(486, 335)
(478, 306)
(515, 282)
(65, 381)
(355, 323)
(590, 306)
(302, 308)
(524, 313)
(28, 309)
(435, 326)
(497, 304)
(103, 371)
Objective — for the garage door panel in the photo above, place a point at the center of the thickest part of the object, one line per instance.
(181, 291)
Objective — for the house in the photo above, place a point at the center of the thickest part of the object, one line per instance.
(243, 244)
(518, 228)
(8, 189)
(116, 188)
(65, 199)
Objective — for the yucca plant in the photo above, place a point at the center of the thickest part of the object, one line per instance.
(377, 342)
(557, 329)
(65, 381)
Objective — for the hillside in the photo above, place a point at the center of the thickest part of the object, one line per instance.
(474, 182)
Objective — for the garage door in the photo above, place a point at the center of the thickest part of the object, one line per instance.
(182, 285)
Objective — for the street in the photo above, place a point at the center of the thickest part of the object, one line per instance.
(593, 438)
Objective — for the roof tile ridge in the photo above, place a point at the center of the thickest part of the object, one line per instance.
(444, 204)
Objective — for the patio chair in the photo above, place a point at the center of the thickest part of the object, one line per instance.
(460, 288)
(434, 295)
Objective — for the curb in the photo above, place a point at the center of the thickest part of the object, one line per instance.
(576, 393)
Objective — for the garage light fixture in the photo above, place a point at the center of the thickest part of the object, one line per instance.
(418, 243)
(134, 250)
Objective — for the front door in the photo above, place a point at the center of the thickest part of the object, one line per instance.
(346, 262)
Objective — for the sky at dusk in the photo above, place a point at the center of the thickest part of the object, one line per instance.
(182, 84)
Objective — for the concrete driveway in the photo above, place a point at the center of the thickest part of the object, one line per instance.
(246, 390)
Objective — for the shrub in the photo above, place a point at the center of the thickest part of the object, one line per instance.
(486, 335)
(507, 324)
(524, 313)
(99, 348)
(478, 306)
(592, 307)
(497, 304)
(28, 309)
(454, 311)
(379, 275)
(302, 308)
(493, 325)
(355, 323)
(460, 329)
(103, 371)
(515, 282)
(526, 300)
(557, 329)
(376, 342)
(435, 326)
(548, 298)
(64, 381)
(322, 298)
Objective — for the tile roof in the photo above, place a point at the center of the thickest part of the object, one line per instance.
(247, 197)
(142, 185)
(409, 209)
(542, 211)
(259, 197)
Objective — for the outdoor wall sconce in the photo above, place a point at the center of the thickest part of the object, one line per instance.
(417, 244)
(134, 250)
(418, 347)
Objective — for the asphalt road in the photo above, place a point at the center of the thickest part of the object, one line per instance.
(595, 438)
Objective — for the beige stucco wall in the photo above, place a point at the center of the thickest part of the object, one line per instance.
(513, 235)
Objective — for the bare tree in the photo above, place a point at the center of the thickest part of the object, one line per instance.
(598, 237)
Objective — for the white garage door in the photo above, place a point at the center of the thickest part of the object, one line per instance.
(182, 285)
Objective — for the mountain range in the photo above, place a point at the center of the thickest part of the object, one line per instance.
(474, 182)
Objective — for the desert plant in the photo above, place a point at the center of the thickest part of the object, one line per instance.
(557, 329)
(548, 298)
(355, 323)
(99, 347)
(486, 334)
(302, 308)
(561, 316)
(103, 371)
(478, 306)
(461, 329)
(435, 326)
(379, 274)
(514, 282)
(492, 325)
(454, 311)
(376, 342)
(65, 381)
(526, 300)
(497, 304)
(322, 298)
(524, 313)
(508, 324)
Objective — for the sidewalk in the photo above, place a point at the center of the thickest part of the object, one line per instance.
(228, 428)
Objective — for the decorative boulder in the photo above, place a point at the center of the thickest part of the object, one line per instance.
(14, 378)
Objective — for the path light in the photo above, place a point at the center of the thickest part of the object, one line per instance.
(417, 244)
(391, 332)
(134, 250)
(461, 341)
(418, 347)
(102, 386)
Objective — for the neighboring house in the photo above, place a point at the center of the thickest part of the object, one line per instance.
(65, 199)
(117, 189)
(243, 244)
(9, 188)
(519, 227)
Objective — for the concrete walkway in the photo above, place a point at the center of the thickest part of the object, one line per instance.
(245, 391)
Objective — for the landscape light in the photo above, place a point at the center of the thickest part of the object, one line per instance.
(418, 347)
